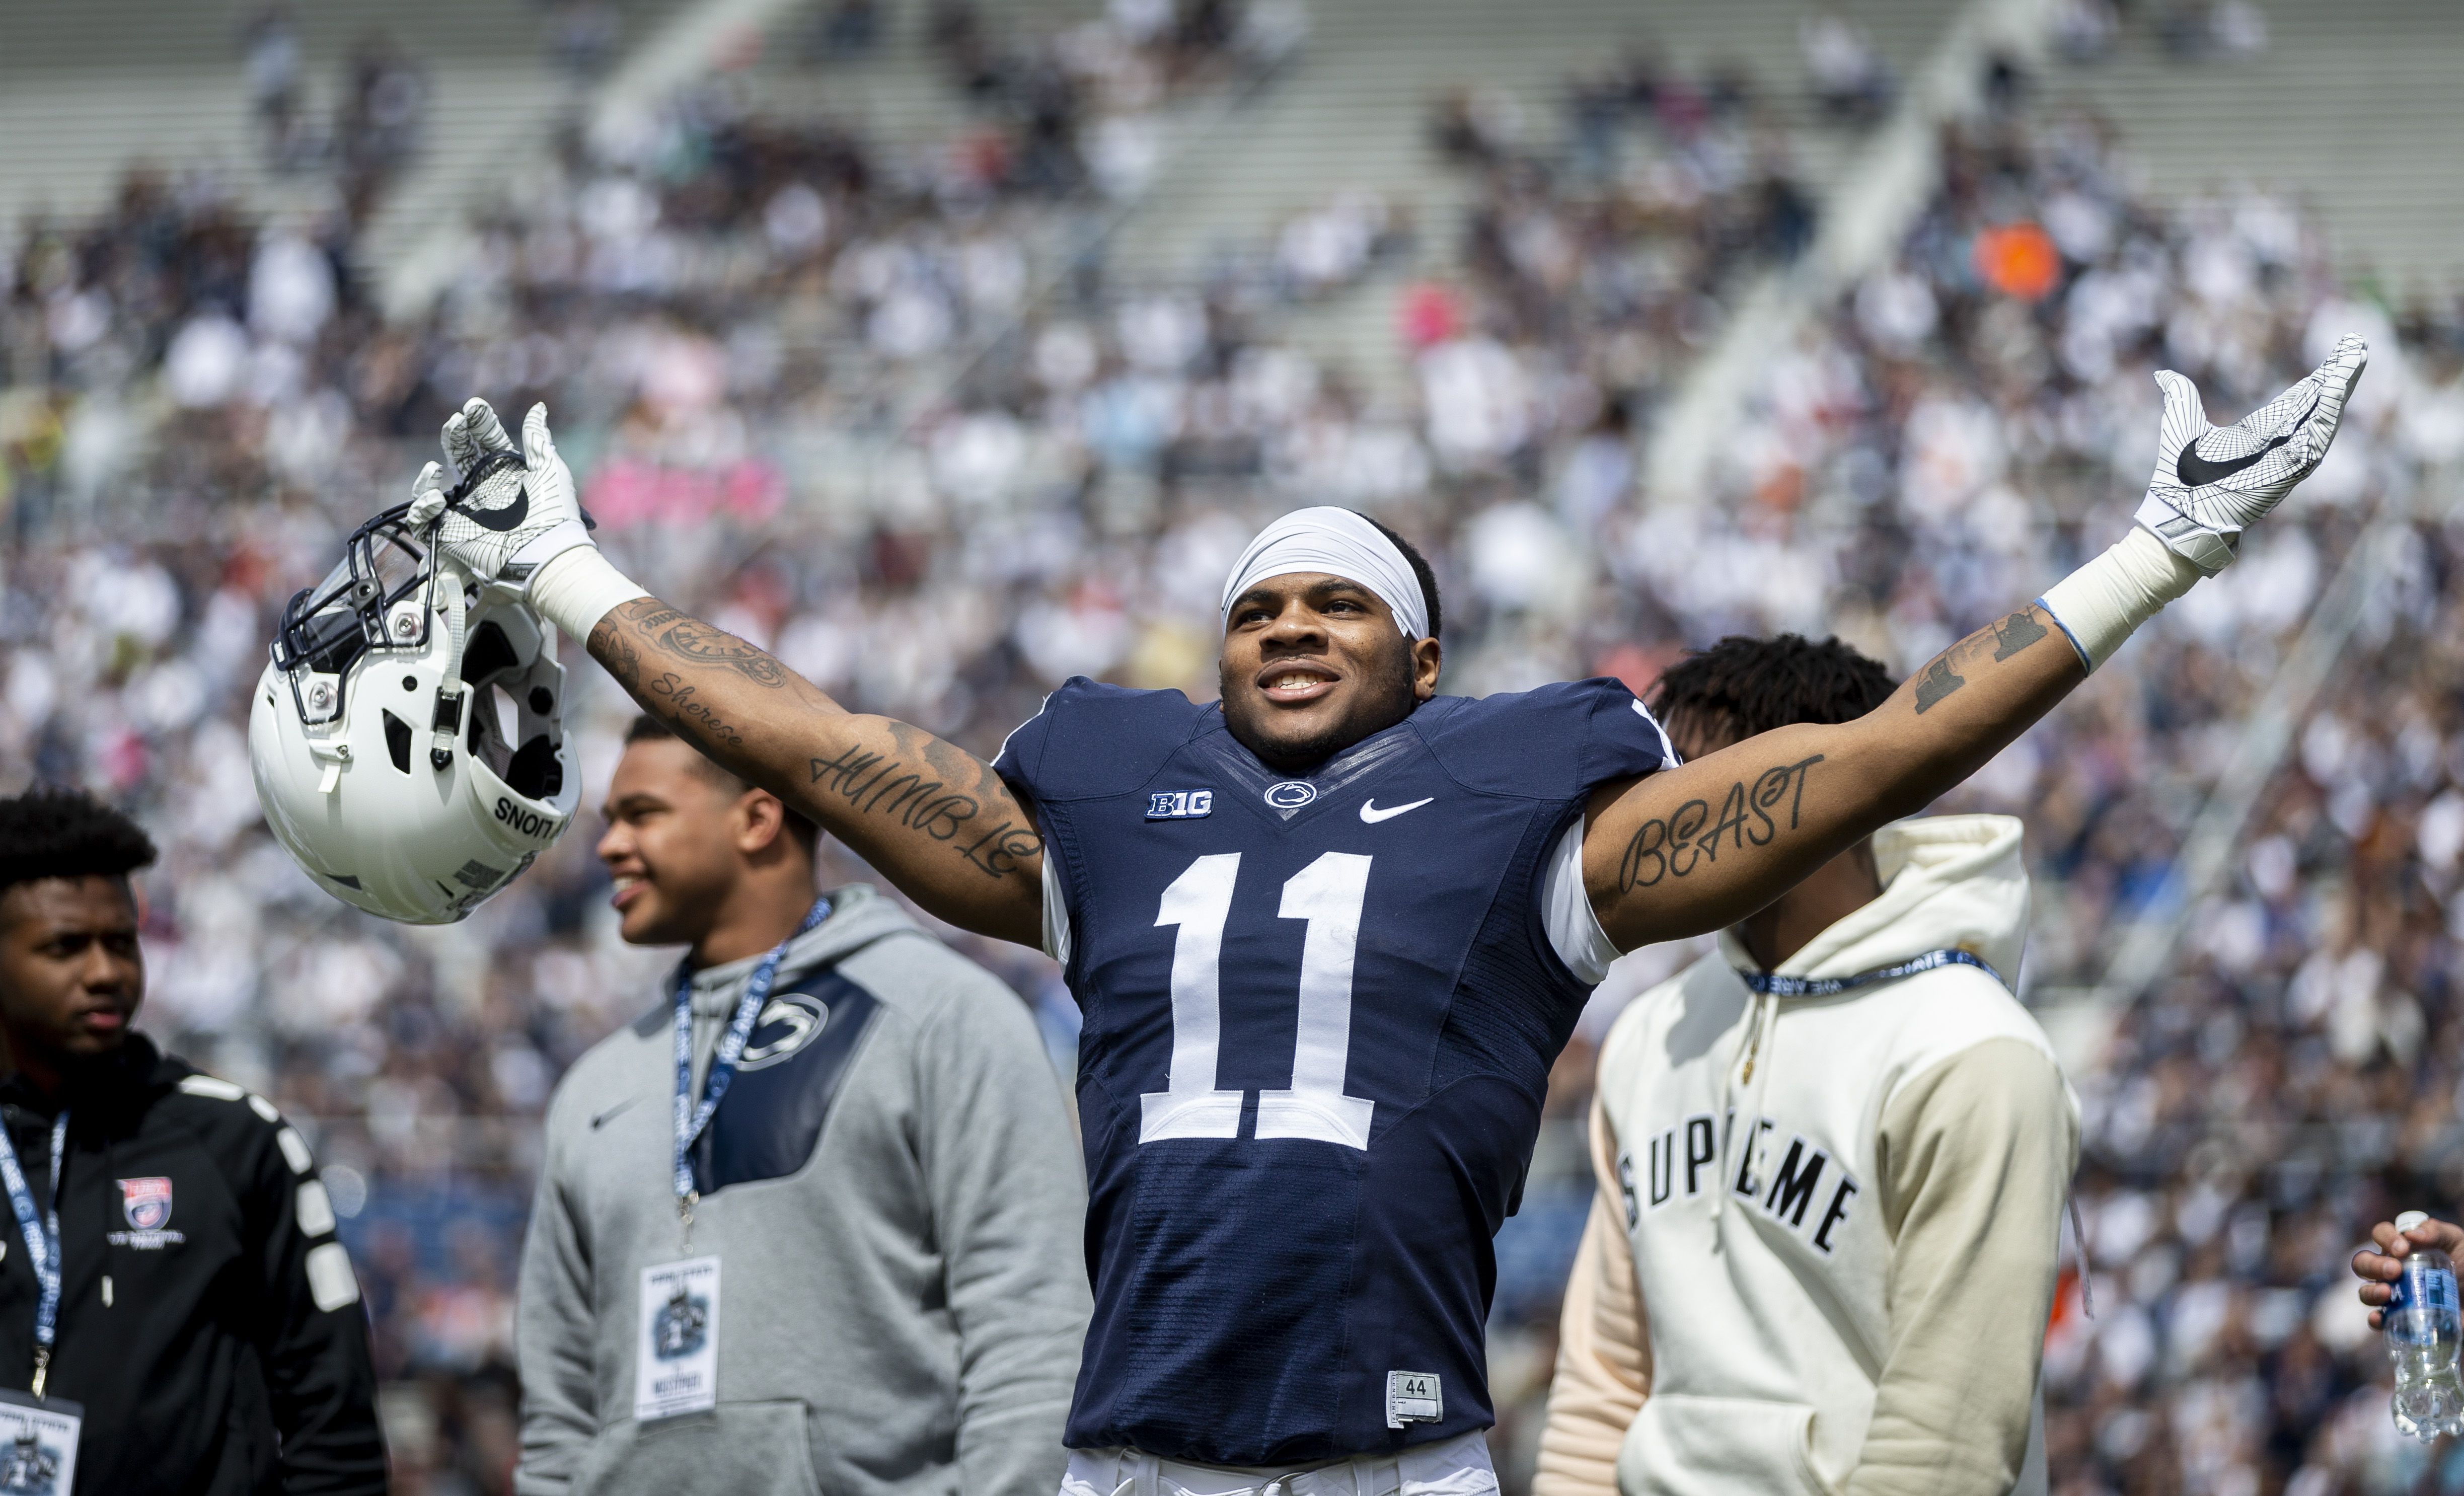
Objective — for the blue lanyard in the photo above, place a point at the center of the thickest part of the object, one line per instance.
(1827, 986)
(42, 1240)
(690, 1119)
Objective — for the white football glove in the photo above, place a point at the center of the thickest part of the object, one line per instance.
(514, 510)
(2213, 482)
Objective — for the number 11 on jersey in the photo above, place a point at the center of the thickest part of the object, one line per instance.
(1327, 894)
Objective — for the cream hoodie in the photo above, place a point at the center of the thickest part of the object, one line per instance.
(1849, 1295)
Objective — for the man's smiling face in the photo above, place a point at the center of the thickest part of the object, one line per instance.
(1315, 662)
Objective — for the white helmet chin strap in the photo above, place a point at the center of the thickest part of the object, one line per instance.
(447, 723)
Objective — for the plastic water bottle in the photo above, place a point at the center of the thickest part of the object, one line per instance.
(2424, 1330)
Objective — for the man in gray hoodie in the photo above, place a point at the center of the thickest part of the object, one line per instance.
(852, 1264)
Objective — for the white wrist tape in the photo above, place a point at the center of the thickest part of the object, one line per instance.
(2102, 603)
(577, 587)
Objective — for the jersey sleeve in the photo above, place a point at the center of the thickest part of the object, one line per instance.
(1091, 740)
(1626, 739)
(1558, 742)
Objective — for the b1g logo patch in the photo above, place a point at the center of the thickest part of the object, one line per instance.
(146, 1204)
(1181, 804)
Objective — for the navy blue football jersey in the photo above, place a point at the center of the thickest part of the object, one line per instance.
(1319, 1018)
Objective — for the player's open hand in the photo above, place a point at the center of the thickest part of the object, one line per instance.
(2214, 482)
(2381, 1267)
(512, 510)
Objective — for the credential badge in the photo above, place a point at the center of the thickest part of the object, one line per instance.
(146, 1204)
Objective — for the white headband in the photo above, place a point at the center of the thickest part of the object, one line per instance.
(1339, 543)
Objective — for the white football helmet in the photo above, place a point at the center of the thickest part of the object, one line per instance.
(380, 733)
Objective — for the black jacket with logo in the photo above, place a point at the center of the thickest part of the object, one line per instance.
(209, 1323)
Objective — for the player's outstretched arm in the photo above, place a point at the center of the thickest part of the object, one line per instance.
(931, 817)
(1703, 845)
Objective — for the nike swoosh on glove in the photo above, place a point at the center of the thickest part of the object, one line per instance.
(2213, 482)
(514, 510)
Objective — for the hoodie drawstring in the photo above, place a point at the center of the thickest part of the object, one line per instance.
(1761, 1019)
(1762, 1031)
(2086, 1268)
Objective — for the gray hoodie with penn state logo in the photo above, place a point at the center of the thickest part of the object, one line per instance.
(894, 1196)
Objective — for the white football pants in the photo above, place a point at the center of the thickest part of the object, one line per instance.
(1458, 1467)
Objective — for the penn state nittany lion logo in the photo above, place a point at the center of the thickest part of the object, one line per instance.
(681, 1328)
(1291, 793)
(146, 1204)
(788, 1022)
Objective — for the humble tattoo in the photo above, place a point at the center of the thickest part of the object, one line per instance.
(877, 784)
(910, 781)
(872, 784)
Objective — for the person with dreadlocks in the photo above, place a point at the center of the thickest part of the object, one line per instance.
(1851, 1240)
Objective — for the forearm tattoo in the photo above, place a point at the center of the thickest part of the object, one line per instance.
(2016, 634)
(1937, 682)
(2010, 635)
(913, 788)
(691, 639)
(919, 783)
(1691, 836)
(619, 642)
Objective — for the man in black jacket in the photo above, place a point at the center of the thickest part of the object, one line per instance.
(209, 1329)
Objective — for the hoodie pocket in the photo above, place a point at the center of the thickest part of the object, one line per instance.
(1682, 1445)
(742, 1448)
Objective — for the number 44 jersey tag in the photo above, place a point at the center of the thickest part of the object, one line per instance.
(1414, 1397)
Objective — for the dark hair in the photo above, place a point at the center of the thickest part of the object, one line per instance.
(1743, 686)
(647, 729)
(56, 833)
(1428, 578)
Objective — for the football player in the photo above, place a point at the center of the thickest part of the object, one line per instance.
(1329, 933)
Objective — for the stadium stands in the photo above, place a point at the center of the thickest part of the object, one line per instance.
(274, 101)
(858, 355)
(2204, 105)
(1354, 115)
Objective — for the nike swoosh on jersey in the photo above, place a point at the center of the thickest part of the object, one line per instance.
(1371, 814)
(508, 517)
(2197, 471)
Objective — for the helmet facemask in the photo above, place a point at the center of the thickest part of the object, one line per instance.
(381, 597)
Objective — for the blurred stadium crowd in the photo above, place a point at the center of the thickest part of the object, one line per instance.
(887, 417)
